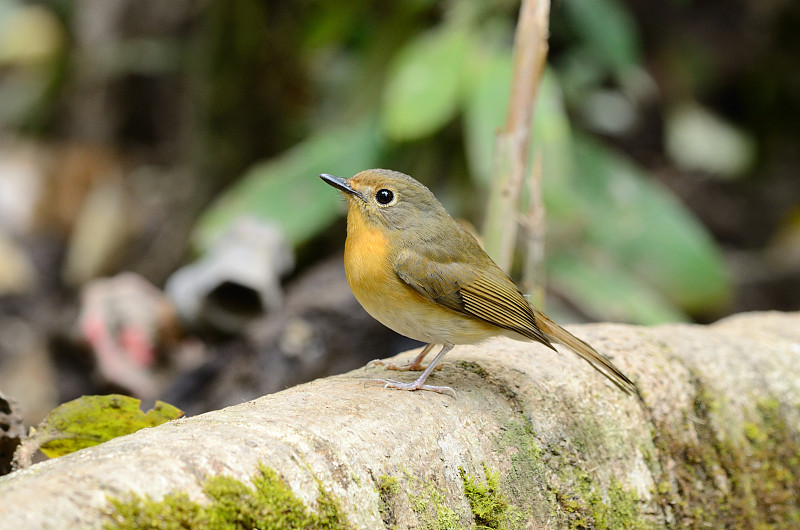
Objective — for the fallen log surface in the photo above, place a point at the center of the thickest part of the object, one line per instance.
(532, 440)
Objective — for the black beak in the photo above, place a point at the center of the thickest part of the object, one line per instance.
(340, 183)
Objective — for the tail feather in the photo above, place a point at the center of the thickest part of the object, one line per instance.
(599, 362)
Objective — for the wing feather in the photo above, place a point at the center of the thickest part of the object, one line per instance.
(485, 292)
(495, 299)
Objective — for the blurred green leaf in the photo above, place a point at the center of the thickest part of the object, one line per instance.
(485, 113)
(609, 31)
(424, 86)
(647, 230)
(286, 190)
(91, 420)
(552, 139)
(607, 291)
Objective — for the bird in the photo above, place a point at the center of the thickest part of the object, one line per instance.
(420, 273)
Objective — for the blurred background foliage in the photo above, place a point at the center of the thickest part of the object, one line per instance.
(133, 133)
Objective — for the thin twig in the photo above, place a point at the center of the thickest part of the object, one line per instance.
(511, 144)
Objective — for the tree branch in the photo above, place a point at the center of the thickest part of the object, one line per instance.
(511, 143)
(711, 439)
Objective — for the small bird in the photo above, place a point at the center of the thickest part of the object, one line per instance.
(420, 273)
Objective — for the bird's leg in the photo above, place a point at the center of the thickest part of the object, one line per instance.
(419, 384)
(413, 366)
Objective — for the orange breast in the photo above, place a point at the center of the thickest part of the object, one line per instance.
(392, 302)
(368, 266)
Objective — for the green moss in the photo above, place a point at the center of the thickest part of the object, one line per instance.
(663, 487)
(268, 503)
(773, 467)
(429, 504)
(576, 498)
(175, 511)
(434, 513)
(446, 519)
(387, 486)
(489, 505)
(387, 490)
(621, 510)
(587, 504)
(732, 472)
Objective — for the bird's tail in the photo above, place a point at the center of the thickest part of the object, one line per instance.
(599, 362)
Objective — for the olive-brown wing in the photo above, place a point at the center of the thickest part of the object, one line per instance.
(480, 290)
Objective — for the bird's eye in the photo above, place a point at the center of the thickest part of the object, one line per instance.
(384, 196)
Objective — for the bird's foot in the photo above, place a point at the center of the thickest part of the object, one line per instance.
(411, 366)
(416, 385)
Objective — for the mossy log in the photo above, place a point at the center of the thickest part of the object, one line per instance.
(532, 440)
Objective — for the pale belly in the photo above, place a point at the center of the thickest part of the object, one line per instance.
(437, 326)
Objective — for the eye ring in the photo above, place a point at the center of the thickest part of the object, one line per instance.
(385, 197)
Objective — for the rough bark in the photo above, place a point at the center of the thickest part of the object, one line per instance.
(713, 439)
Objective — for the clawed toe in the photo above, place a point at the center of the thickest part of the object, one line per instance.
(390, 383)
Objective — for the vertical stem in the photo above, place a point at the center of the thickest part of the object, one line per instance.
(511, 145)
(533, 227)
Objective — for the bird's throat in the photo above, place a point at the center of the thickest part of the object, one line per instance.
(365, 253)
